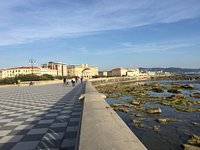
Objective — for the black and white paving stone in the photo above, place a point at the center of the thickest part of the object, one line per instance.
(40, 117)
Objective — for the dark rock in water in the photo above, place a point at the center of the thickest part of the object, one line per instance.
(176, 91)
(177, 96)
(193, 143)
(164, 120)
(141, 125)
(154, 111)
(187, 86)
(195, 140)
(195, 95)
(157, 90)
(155, 84)
(195, 123)
(135, 121)
(190, 147)
(139, 115)
(134, 102)
(122, 110)
(156, 128)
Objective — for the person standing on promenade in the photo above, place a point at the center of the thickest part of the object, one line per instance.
(67, 81)
(18, 82)
(76, 79)
(64, 81)
(81, 79)
(73, 82)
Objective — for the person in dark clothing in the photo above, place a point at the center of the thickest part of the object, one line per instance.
(76, 79)
(67, 81)
(73, 82)
(64, 81)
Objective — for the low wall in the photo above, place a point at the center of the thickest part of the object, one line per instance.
(111, 80)
(102, 128)
(27, 83)
(46, 82)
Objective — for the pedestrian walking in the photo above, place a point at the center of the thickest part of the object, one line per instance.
(73, 82)
(64, 81)
(67, 81)
(76, 79)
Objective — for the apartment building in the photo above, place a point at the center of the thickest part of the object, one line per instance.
(119, 72)
(2, 73)
(12, 72)
(82, 70)
(103, 73)
(61, 68)
(48, 71)
(132, 72)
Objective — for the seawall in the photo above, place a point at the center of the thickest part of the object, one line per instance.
(102, 128)
(111, 80)
(34, 83)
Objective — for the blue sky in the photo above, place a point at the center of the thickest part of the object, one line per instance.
(105, 33)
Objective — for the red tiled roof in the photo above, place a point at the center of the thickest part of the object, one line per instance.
(24, 67)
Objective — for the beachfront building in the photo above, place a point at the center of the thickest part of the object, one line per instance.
(2, 73)
(119, 72)
(158, 73)
(151, 73)
(132, 72)
(129, 72)
(82, 70)
(12, 72)
(52, 72)
(103, 73)
(109, 73)
(61, 68)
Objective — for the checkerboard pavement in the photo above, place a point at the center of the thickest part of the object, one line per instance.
(40, 117)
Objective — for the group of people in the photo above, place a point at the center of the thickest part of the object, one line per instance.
(73, 81)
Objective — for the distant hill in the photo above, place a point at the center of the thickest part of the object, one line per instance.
(172, 70)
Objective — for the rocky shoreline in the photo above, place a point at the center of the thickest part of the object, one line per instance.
(176, 77)
(141, 98)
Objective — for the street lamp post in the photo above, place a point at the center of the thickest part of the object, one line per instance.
(32, 62)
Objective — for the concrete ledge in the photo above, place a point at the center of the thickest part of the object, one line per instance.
(111, 80)
(46, 82)
(102, 128)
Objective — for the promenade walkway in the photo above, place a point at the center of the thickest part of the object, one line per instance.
(40, 117)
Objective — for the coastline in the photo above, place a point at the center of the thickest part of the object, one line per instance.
(134, 113)
(112, 80)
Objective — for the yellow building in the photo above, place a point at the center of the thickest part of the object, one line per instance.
(60, 68)
(130, 72)
(133, 72)
(82, 70)
(119, 72)
(12, 72)
(103, 73)
(2, 73)
(48, 71)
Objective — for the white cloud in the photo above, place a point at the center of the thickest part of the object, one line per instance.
(159, 46)
(98, 52)
(23, 21)
(131, 48)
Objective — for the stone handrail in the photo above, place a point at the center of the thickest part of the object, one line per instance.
(102, 128)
